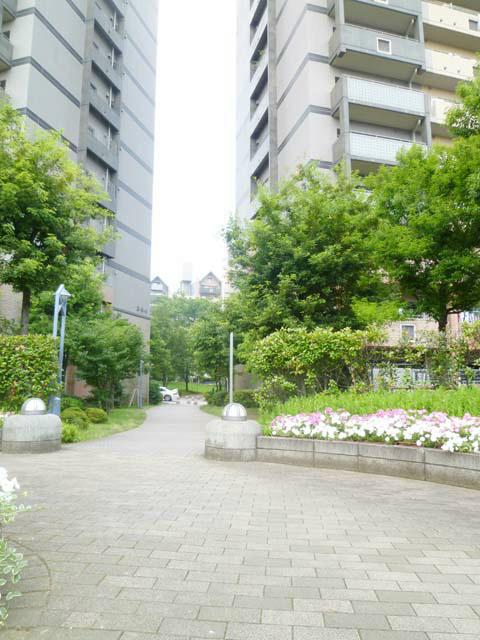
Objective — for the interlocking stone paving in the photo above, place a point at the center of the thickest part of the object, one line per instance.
(138, 537)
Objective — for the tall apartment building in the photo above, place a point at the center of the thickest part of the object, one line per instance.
(87, 68)
(354, 80)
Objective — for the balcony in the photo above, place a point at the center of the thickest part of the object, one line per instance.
(9, 10)
(359, 49)
(449, 25)
(259, 76)
(445, 70)
(467, 4)
(438, 113)
(257, 8)
(260, 157)
(120, 6)
(105, 24)
(5, 53)
(379, 103)
(260, 116)
(394, 16)
(259, 40)
(107, 153)
(110, 204)
(368, 151)
(110, 114)
(104, 64)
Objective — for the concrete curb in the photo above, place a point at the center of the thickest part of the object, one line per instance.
(433, 465)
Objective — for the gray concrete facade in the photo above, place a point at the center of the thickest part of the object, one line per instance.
(87, 68)
(397, 62)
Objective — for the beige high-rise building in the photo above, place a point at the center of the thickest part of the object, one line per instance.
(354, 80)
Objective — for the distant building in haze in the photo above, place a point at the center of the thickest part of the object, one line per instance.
(209, 287)
(158, 288)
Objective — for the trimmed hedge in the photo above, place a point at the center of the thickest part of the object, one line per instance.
(247, 397)
(28, 368)
(97, 416)
(72, 402)
(78, 417)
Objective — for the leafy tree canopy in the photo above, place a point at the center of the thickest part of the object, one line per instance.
(304, 257)
(46, 203)
(464, 120)
(428, 238)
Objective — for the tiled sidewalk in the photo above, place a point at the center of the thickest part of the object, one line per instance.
(139, 538)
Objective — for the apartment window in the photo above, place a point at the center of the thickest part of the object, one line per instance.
(3, 84)
(473, 24)
(408, 332)
(384, 46)
(7, 34)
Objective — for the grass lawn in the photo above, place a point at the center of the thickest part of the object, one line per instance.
(118, 420)
(217, 411)
(193, 387)
(454, 402)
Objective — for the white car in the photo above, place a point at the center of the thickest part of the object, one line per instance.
(169, 395)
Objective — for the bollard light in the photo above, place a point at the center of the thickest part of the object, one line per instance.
(33, 407)
(234, 412)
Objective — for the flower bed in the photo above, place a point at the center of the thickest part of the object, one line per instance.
(396, 426)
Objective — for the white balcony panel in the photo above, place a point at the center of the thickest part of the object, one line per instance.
(439, 109)
(451, 25)
(385, 96)
(444, 70)
(260, 156)
(376, 148)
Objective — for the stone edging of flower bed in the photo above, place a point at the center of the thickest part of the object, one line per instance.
(433, 465)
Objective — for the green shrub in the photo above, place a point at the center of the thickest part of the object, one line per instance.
(72, 402)
(217, 398)
(77, 417)
(69, 433)
(154, 392)
(247, 397)
(28, 368)
(97, 416)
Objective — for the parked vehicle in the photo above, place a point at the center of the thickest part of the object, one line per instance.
(169, 395)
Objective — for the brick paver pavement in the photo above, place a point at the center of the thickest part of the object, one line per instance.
(138, 537)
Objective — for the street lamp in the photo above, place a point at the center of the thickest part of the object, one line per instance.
(61, 300)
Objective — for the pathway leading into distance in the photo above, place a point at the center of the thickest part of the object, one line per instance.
(138, 537)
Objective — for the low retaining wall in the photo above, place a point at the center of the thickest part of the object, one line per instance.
(434, 465)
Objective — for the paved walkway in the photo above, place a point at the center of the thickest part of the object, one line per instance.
(138, 537)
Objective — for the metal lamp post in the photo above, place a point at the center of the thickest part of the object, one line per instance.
(61, 300)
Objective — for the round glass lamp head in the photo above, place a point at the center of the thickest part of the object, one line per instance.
(33, 407)
(234, 412)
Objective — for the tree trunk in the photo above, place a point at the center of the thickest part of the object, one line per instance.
(25, 318)
(443, 320)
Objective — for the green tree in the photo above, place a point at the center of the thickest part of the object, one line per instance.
(303, 259)
(107, 351)
(464, 119)
(46, 203)
(210, 335)
(172, 351)
(428, 239)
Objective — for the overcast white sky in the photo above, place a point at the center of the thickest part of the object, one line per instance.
(194, 178)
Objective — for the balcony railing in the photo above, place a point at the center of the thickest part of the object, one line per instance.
(111, 71)
(379, 94)
(370, 148)
(259, 75)
(446, 69)
(451, 25)
(404, 6)
(110, 113)
(260, 33)
(106, 25)
(261, 112)
(10, 9)
(257, 7)
(260, 156)
(6, 50)
(370, 47)
(106, 151)
(439, 107)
